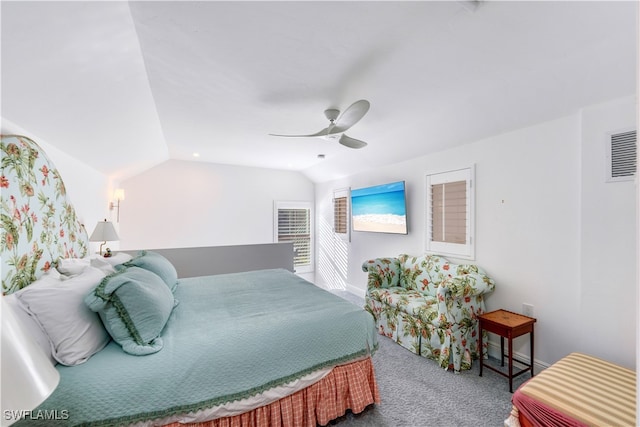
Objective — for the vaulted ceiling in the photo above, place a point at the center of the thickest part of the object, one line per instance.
(125, 85)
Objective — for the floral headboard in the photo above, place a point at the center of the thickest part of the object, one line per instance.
(39, 224)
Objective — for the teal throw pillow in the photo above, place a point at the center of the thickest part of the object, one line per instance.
(157, 264)
(134, 305)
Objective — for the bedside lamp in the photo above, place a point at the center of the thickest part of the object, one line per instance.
(28, 377)
(104, 232)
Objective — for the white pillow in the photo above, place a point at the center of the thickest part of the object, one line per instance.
(119, 258)
(103, 265)
(74, 331)
(72, 266)
(30, 325)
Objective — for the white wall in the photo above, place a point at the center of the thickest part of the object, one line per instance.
(608, 239)
(190, 204)
(87, 188)
(535, 219)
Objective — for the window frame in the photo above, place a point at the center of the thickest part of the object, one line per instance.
(295, 205)
(466, 250)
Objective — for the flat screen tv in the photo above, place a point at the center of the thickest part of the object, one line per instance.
(380, 209)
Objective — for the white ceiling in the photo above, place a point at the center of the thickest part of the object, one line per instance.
(125, 85)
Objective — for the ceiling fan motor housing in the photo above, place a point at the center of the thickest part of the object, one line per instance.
(331, 114)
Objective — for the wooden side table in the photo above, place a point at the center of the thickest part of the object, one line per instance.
(508, 325)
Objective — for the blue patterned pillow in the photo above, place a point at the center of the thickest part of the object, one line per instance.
(134, 305)
(157, 264)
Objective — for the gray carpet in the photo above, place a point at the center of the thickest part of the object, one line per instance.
(415, 392)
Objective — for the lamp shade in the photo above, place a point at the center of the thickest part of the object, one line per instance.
(118, 194)
(28, 377)
(104, 232)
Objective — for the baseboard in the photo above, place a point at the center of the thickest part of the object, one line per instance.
(355, 290)
(347, 288)
(494, 351)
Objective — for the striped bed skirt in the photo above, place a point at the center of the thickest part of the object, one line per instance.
(347, 387)
(578, 390)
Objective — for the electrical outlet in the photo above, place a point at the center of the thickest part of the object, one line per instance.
(527, 309)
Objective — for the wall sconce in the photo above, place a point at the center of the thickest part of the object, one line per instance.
(118, 195)
(104, 232)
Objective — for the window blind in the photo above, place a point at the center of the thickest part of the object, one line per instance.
(340, 220)
(449, 212)
(294, 225)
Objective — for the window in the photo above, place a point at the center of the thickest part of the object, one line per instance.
(450, 213)
(341, 213)
(293, 224)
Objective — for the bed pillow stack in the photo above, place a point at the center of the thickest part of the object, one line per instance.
(54, 304)
(136, 302)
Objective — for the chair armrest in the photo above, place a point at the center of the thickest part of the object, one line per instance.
(466, 285)
(382, 272)
(461, 298)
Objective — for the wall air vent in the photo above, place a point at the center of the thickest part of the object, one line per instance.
(622, 156)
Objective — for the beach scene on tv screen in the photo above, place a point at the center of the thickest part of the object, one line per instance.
(381, 208)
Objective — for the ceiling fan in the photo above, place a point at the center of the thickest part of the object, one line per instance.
(339, 124)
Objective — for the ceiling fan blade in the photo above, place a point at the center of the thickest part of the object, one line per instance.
(351, 142)
(351, 116)
(323, 132)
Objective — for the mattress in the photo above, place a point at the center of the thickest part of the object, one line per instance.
(579, 390)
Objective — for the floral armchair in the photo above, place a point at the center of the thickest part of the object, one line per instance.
(429, 306)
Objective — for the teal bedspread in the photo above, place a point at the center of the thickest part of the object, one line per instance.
(231, 336)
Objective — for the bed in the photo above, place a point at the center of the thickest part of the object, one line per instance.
(253, 348)
(578, 390)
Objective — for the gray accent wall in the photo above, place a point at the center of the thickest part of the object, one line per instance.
(205, 261)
